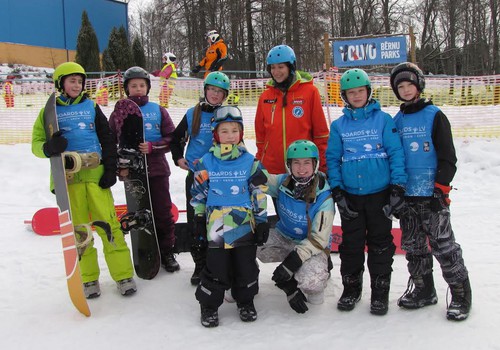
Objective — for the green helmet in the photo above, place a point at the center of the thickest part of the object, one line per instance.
(302, 149)
(354, 78)
(218, 79)
(135, 72)
(65, 69)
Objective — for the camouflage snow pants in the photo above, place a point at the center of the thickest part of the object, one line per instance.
(422, 228)
(312, 277)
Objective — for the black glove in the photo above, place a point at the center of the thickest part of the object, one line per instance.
(196, 69)
(440, 198)
(56, 145)
(200, 228)
(108, 179)
(287, 268)
(69, 162)
(261, 233)
(346, 213)
(297, 301)
(396, 201)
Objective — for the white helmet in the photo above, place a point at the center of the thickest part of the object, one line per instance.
(169, 57)
(213, 35)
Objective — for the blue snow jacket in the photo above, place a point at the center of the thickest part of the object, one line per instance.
(364, 153)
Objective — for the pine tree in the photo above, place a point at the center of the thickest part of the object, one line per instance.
(138, 53)
(107, 62)
(119, 49)
(87, 46)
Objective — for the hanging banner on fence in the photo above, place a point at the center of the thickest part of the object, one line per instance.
(369, 51)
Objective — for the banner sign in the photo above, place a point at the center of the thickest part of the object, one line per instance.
(369, 51)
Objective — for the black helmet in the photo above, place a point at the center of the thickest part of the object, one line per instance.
(407, 71)
(134, 73)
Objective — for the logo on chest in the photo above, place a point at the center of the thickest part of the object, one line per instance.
(298, 112)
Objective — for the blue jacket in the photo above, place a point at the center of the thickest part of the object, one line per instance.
(364, 153)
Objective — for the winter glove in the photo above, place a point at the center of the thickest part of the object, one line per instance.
(297, 301)
(56, 145)
(294, 295)
(261, 233)
(200, 229)
(346, 213)
(108, 179)
(440, 199)
(396, 201)
(287, 268)
(196, 69)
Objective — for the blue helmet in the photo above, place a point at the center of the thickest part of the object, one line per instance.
(282, 54)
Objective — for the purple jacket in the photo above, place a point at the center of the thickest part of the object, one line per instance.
(157, 163)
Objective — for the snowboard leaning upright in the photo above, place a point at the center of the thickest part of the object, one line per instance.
(139, 219)
(70, 252)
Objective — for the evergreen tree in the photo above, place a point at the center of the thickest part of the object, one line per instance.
(87, 46)
(119, 49)
(107, 62)
(138, 53)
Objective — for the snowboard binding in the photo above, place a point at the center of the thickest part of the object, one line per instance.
(141, 219)
(129, 158)
(83, 235)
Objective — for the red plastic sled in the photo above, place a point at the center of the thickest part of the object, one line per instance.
(337, 239)
(45, 221)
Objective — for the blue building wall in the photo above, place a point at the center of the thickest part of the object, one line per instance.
(56, 23)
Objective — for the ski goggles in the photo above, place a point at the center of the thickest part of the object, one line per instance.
(227, 113)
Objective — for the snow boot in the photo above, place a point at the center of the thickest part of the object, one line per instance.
(92, 289)
(247, 311)
(353, 286)
(380, 294)
(168, 261)
(420, 292)
(461, 301)
(209, 317)
(126, 286)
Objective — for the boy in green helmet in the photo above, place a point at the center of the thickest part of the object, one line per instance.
(84, 129)
(366, 171)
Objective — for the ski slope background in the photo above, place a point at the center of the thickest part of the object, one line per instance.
(36, 312)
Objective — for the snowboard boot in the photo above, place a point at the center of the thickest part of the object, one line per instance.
(209, 317)
(353, 286)
(419, 293)
(168, 261)
(247, 312)
(126, 286)
(380, 284)
(92, 289)
(461, 301)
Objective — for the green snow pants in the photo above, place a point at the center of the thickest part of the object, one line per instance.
(89, 202)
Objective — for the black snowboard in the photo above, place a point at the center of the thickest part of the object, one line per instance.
(139, 219)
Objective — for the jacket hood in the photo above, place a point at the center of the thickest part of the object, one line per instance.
(364, 112)
(300, 78)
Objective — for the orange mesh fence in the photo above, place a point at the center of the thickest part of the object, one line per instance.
(471, 103)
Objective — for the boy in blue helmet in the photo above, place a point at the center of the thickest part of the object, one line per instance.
(230, 205)
(194, 134)
(89, 189)
(366, 172)
(431, 166)
(301, 238)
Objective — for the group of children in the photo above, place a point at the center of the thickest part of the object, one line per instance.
(377, 168)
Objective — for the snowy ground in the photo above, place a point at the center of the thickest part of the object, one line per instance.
(35, 310)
